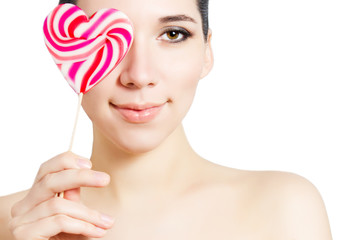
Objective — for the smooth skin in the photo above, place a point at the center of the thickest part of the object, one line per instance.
(144, 181)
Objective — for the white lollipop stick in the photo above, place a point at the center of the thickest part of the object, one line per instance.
(86, 50)
(76, 121)
(74, 131)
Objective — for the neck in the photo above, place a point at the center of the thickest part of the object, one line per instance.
(158, 174)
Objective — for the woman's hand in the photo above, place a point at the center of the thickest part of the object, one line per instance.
(41, 215)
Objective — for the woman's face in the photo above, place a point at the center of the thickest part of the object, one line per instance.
(146, 97)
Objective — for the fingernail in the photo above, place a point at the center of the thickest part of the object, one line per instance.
(82, 163)
(108, 220)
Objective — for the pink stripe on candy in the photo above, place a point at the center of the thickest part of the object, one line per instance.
(121, 31)
(97, 23)
(121, 51)
(74, 69)
(91, 70)
(58, 47)
(52, 36)
(75, 23)
(87, 60)
(76, 57)
(116, 21)
(63, 19)
(106, 64)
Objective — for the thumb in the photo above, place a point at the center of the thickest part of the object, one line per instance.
(73, 195)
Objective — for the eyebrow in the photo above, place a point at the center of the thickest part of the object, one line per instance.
(176, 18)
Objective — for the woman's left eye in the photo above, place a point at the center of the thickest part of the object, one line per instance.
(175, 35)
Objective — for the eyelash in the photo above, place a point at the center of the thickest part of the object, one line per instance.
(183, 33)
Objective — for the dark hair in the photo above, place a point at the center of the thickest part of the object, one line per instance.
(203, 6)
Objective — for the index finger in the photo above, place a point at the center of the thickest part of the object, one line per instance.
(63, 161)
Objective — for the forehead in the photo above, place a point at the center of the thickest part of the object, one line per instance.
(144, 9)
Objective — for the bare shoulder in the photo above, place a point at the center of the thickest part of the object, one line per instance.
(282, 185)
(6, 203)
(274, 205)
(290, 205)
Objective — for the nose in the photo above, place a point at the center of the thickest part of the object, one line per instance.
(137, 71)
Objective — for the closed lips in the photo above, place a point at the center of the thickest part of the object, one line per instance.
(135, 113)
(138, 107)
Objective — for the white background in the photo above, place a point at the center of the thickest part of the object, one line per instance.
(284, 94)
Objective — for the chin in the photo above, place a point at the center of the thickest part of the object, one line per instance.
(137, 147)
(116, 135)
(135, 142)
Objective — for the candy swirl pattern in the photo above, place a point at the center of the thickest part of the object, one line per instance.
(87, 49)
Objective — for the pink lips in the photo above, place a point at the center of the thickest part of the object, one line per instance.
(139, 113)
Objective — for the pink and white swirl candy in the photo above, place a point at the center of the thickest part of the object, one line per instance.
(86, 49)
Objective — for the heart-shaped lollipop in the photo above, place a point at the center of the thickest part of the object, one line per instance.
(86, 49)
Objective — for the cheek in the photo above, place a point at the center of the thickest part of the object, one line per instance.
(95, 102)
(182, 67)
(181, 76)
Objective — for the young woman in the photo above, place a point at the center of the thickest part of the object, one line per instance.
(160, 188)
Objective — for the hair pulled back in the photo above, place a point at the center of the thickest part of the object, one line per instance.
(203, 7)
